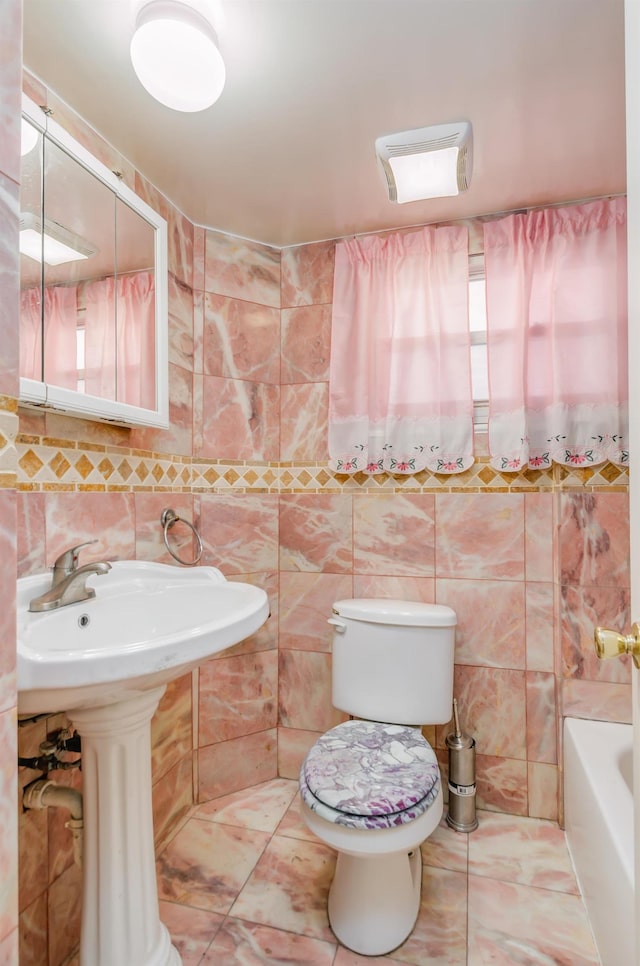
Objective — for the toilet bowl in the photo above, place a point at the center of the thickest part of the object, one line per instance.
(370, 787)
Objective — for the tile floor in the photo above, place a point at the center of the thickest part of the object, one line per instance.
(243, 882)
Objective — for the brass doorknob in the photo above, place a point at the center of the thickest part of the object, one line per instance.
(613, 644)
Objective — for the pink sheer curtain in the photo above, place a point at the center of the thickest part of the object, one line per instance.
(31, 334)
(60, 328)
(557, 336)
(400, 384)
(61, 335)
(120, 339)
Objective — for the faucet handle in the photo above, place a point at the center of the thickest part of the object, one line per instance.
(67, 562)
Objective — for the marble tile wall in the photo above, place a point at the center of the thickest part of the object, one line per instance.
(529, 562)
(10, 86)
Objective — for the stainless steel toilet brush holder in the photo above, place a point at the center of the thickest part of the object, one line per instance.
(462, 778)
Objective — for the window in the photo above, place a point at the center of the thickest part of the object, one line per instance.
(478, 333)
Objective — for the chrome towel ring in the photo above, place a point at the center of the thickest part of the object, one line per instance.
(168, 519)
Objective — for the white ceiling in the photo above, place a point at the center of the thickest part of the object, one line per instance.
(286, 155)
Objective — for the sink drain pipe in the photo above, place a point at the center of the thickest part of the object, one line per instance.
(44, 793)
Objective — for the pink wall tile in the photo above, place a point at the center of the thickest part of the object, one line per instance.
(240, 420)
(492, 704)
(542, 782)
(180, 239)
(399, 588)
(8, 539)
(84, 430)
(89, 138)
(60, 841)
(33, 845)
(238, 696)
(33, 934)
(306, 601)
(33, 87)
(153, 197)
(241, 339)
(501, 784)
(304, 691)
(239, 532)
(198, 258)
(306, 344)
(198, 331)
(178, 439)
(480, 535)
(228, 766)
(540, 626)
(9, 279)
(172, 798)
(72, 518)
(303, 422)
(307, 274)
(394, 534)
(171, 730)
(242, 269)
(596, 699)
(491, 620)
(64, 908)
(9, 948)
(149, 532)
(180, 323)
(266, 638)
(539, 550)
(541, 717)
(315, 533)
(293, 746)
(31, 533)
(582, 609)
(594, 539)
(8, 824)
(31, 422)
(10, 86)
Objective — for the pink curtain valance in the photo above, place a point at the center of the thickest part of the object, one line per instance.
(400, 384)
(557, 336)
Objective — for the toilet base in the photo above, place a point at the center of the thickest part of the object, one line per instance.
(374, 902)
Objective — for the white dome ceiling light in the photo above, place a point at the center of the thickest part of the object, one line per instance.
(175, 53)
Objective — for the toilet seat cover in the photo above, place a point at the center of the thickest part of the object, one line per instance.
(366, 768)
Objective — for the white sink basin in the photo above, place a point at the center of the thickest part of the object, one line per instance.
(147, 624)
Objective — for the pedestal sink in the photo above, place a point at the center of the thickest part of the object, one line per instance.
(106, 663)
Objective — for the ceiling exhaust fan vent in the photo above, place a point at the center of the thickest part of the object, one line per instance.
(428, 162)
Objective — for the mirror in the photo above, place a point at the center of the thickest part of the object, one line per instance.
(93, 285)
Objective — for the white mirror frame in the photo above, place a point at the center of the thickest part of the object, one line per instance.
(41, 395)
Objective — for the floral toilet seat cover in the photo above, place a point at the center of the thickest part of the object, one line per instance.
(366, 774)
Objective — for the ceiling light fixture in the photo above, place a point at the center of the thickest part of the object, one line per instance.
(428, 162)
(28, 137)
(174, 52)
(56, 245)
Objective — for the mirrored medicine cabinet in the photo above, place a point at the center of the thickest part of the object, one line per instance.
(93, 285)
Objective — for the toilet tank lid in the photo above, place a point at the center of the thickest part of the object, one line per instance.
(387, 611)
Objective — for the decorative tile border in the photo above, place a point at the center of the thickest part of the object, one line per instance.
(45, 463)
(8, 433)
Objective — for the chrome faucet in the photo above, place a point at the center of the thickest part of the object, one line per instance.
(69, 582)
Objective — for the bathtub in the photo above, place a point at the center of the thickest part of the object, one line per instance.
(598, 804)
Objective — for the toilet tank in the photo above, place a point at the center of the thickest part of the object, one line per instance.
(393, 660)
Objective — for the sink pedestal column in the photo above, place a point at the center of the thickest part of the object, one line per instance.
(120, 918)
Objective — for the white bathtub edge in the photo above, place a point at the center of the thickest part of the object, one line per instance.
(599, 829)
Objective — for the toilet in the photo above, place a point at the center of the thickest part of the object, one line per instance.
(370, 787)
